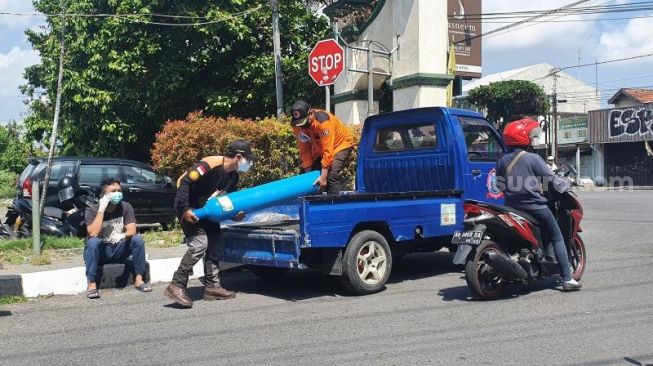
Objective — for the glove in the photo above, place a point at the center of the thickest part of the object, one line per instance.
(104, 202)
(120, 236)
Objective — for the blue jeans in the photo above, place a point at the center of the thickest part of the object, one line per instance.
(97, 253)
(552, 232)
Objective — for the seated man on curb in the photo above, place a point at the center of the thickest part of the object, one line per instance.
(112, 237)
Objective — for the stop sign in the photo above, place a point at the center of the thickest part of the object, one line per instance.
(326, 62)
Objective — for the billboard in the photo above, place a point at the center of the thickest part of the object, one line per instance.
(464, 26)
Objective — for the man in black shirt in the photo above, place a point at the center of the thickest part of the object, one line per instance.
(112, 237)
(212, 176)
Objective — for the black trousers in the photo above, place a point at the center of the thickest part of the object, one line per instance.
(335, 181)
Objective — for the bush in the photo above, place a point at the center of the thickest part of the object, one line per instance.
(181, 144)
(7, 184)
(14, 149)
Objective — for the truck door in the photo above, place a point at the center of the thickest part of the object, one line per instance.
(484, 148)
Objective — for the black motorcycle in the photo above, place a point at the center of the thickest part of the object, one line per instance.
(65, 220)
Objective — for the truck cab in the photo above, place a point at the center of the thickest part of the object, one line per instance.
(415, 168)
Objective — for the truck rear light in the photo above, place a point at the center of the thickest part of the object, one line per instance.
(27, 188)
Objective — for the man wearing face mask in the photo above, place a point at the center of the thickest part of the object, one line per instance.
(325, 144)
(112, 237)
(212, 176)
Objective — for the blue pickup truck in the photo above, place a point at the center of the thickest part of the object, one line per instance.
(415, 169)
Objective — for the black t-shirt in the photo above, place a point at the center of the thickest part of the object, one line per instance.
(192, 195)
(113, 222)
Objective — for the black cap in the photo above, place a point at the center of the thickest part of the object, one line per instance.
(243, 148)
(299, 112)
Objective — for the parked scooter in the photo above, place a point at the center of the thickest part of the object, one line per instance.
(67, 220)
(501, 245)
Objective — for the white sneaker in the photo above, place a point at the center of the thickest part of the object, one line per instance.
(571, 285)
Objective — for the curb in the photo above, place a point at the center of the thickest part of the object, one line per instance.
(71, 281)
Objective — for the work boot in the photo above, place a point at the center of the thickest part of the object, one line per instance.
(178, 295)
(571, 285)
(217, 292)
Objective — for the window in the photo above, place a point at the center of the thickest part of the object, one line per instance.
(94, 174)
(135, 175)
(402, 138)
(567, 134)
(482, 141)
(582, 133)
(59, 168)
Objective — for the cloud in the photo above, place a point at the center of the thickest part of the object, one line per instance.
(633, 40)
(18, 22)
(534, 34)
(12, 66)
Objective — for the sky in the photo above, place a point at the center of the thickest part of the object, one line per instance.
(557, 43)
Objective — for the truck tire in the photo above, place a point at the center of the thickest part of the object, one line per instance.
(268, 273)
(366, 263)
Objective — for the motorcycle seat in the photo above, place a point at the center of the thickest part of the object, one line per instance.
(506, 209)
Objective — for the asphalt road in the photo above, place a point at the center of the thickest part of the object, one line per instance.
(424, 317)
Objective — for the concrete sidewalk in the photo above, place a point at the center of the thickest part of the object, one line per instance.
(68, 277)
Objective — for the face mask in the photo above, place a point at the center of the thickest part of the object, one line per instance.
(393, 144)
(115, 197)
(244, 165)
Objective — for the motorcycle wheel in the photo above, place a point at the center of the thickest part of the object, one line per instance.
(578, 258)
(481, 281)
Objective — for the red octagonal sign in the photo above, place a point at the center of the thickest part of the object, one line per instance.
(326, 62)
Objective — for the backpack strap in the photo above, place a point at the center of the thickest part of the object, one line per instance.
(514, 161)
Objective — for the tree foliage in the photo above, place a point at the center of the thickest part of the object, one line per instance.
(14, 149)
(510, 100)
(124, 77)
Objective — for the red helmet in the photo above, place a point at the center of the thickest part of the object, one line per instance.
(521, 132)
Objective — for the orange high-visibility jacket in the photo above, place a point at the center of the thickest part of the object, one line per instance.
(325, 137)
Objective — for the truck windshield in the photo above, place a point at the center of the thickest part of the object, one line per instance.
(482, 142)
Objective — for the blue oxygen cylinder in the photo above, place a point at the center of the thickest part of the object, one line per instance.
(252, 199)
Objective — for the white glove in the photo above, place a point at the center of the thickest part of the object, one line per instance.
(104, 202)
(120, 236)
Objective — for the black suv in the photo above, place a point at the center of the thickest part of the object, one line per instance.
(152, 195)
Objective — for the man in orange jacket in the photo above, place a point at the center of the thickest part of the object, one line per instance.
(325, 144)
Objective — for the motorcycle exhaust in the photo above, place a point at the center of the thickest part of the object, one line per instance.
(505, 266)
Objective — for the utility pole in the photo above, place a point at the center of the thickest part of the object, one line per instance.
(554, 73)
(57, 110)
(276, 38)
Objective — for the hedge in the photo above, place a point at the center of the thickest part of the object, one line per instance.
(182, 143)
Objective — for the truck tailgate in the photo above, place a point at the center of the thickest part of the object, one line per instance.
(274, 243)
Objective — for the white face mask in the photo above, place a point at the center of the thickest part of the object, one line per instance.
(244, 165)
(417, 141)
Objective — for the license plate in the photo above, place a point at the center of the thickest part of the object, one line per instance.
(467, 237)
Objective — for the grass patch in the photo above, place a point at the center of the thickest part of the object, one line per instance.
(19, 251)
(163, 239)
(54, 249)
(12, 299)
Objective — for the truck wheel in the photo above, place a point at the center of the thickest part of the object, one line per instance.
(366, 264)
(268, 273)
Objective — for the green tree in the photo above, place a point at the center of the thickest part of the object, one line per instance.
(15, 150)
(510, 100)
(125, 76)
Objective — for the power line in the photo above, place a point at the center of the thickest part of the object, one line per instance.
(136, 17)
(518, 23)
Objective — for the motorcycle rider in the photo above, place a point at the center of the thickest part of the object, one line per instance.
(522, 176)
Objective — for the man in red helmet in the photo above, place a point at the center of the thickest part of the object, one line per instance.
(522, 175)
